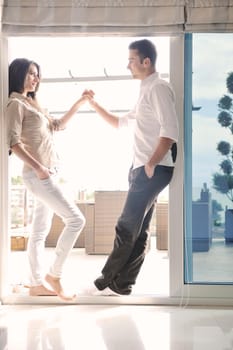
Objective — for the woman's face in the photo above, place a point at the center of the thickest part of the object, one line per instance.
(31, 80)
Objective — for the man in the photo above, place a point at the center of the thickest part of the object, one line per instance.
(156, 131)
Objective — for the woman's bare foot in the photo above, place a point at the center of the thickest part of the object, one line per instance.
(41, 290)
(55, 283)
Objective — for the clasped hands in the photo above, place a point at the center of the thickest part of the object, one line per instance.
(88, 95)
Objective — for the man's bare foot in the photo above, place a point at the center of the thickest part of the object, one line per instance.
(55, 283)
(41, 290)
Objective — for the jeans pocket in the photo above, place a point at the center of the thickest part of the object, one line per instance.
(142, 176)
(140, 179)
(45, 181)
(47, 185)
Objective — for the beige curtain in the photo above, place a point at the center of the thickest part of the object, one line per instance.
(141, 17)
(96, 16)
(1, 6)
(209, 16)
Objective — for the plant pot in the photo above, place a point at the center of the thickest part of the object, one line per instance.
(201, 227)
(228, 226)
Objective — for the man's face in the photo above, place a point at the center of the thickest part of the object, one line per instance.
(136, 67)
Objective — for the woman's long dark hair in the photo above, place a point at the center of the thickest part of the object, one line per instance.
(18, 70)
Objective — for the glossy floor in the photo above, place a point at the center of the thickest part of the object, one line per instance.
(107, 327)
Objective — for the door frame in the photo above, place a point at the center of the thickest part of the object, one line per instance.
(180, 293)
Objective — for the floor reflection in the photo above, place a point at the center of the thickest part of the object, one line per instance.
(3, 338)
(40, 335)
(127, 333)
(107, 327)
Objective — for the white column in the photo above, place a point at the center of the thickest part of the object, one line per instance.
(4, 187)
(175, 237)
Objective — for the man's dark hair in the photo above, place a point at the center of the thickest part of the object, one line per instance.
(145, 49)
(18, 70)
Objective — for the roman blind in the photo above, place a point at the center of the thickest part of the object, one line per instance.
(86, 16)
(116, 16)
(1, 6)
(209, 16)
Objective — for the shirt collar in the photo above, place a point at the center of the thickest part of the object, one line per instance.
(150, 78)
(18, 96)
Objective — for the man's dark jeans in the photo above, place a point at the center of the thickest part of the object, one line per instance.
(123, 264)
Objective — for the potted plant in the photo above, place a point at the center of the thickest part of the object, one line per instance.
(223, 180)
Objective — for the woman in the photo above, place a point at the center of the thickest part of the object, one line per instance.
(30, 136)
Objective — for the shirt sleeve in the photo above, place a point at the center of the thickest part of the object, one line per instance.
(128, 119)
(163, 101)
(14, 119)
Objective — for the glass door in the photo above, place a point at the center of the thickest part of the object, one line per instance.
(208, 186)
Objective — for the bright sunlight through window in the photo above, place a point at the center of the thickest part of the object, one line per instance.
(93, 155)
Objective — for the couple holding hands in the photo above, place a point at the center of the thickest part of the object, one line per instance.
(30, 137)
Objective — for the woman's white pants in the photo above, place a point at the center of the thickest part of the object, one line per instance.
(49, 199)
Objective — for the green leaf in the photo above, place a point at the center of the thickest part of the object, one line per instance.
(224, 148)
(225, 102)
(230, 82)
